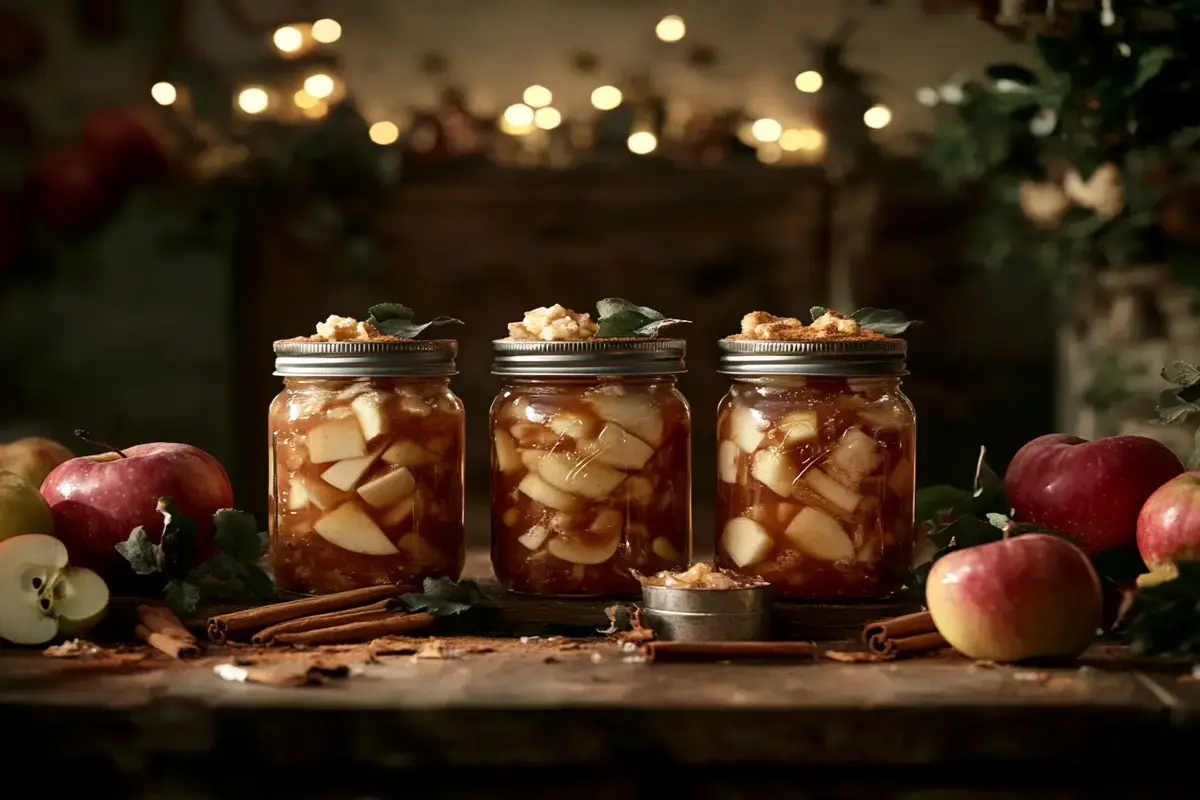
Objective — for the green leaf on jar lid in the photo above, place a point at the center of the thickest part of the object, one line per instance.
(397, 319)
(619, 318)
(887, 321)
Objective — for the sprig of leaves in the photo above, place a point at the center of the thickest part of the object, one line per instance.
(443, 597)
(396, 319)
(1177, 404)
(888, 321)
(232, 574)
(1165, 618)
(618, 318)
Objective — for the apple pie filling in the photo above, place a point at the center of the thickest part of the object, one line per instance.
(816, 472)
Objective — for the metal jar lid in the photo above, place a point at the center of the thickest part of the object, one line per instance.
(862, 358)
(516, 358)
(372, 359)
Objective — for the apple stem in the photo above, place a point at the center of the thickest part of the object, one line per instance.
(87, 437)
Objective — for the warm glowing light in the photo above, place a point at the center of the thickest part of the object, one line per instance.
(163, 93)
(326, 31)
(642, 142)
(288, 39)
(670, 29)
(809, 81)
(518, 115)
(303, 99)
(606, 98)
(795, 139)
(253, 100)
(320, 109)
(767, 130)
(384, 132)
(769, 153)
(537, 96)
(319, 85)
(547, 118)
(877, 117)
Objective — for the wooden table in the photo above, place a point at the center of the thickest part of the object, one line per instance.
(558, 718)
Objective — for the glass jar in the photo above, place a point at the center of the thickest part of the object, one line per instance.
(816, 466)
(366, 465)
(591, 465)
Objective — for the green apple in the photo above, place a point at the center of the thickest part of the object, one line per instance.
(22, 508)
(33, 458)
(40, 596)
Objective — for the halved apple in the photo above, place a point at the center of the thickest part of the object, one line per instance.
(856, 455)
(773, 469)
(389, 488)
(533, 538)
(845, 499)
(575, 425)
(542, 492)
(41, 596)
(371, 410)
(727, 458)
(407, 453)
(576, 551)
(578, 474)
(799, 427)
(507, 459)
(346, 473)
(350, 528)
(636, 413)
(400, 512)
(617, 447)
(746, 428)
(745, 541)
(819, 535)
(335, 440)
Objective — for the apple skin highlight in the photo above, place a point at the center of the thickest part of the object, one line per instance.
(1027, 596)
(97, 500)
(1168, 526)
(1090, 491)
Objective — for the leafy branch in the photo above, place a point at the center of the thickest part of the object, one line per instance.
(888, 321)
(232, 574)
(396, 319)
(443, 597)
(1177, 404)
(618, 318)
(1164, 618)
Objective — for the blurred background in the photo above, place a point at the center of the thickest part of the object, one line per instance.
(184, 181)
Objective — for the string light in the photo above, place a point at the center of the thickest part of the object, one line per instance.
(877, 117)
(253, 100)
(769, 153)
(670, 28)
(326, 31)
(547, 118)
(303, 99)
(606, 98)
(288, 39)
(319, 85)
(767, 130)
(809, 81)
(163, 93)
(384, 133)
(808, 139)
(316, 111)
(518, 115)
(642, 142)
(537, 96)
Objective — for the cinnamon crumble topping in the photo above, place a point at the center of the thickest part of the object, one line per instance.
(553, 324)
(830, 326)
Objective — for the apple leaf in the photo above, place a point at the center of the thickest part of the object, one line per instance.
(144, 556)
(443, 597)
(238, 536)
(396, 319)
(988, 488)
(1163, 618)
(1181, 373)
(182, 597)
(888, 321)
(620, 618)
(618, 318)
(178, 539)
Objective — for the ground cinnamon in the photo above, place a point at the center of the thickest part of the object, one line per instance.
(387, 624)
(171, 645)
(222, 627)
(160, 619)
(908, 634)
(727, 651)
(319, 621)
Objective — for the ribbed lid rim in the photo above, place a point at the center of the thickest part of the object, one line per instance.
(628, 356)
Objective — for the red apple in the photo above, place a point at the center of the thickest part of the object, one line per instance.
(1022, 597)
(70, 191)
(1169, 526)
(97, 500)
(1090, 491)
(128, 144)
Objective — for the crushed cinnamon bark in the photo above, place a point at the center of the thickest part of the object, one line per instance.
(75, 648)
(830, 326)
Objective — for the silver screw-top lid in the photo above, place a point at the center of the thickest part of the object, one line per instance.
(849, 358)
(516, 358)
(399, 358)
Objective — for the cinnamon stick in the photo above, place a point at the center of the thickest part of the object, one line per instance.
(171, 645)
(160, 619)
(223, 626)
(319, 621)
(877, 634)
(726, 651)
(921, 643)
(389, 623)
